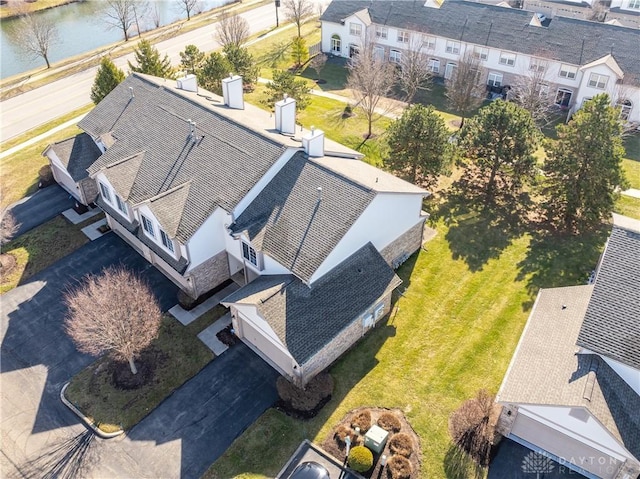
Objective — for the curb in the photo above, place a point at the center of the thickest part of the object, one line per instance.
(90, 424)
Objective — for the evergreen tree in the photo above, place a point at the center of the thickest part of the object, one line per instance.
(500, 142)
(418, 145)
(584, 166)
(107, 78)
(299, 51)
(286, 82)
(148, 61)
(242, 64)
(213, 70)
(191, 59)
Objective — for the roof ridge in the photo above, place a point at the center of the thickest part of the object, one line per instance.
(166, 192)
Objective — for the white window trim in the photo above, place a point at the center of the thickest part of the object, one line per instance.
(635, 4)
(434, 62)
(453, 47)
(595, 79)
(395, 56)
(481, 53)
(355, 29)
(105, 192)
(403, 36)
(536, 66)
(382, 32)
(567, 71)
(336, 40)
(148, 226)
(492, 77)
(367, 321)
(259, 264)
(429, 42)
(169, 241)
(625, 109)
(507, 59)
(119, 201)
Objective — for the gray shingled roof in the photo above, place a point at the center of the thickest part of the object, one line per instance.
(77, 154)
(223, 164)
(289, 224)
(611, 325)
(306, 319)
(567, 40)
(545, 368)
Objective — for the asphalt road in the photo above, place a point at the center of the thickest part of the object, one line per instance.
(48, 102)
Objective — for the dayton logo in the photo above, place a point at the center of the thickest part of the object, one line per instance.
(536, 463)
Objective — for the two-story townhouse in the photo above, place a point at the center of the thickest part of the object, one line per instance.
(572, 389)
(577, 58)
(210, 189)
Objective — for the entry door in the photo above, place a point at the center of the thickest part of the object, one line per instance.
(563, 97)
(448, 71)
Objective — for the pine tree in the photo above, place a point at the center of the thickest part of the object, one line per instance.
(418, 145)
(191, 59)
(107, 78)
(213, 70)
(299, 51)
(148, 61)
(286, 82)
(242, 64)
(584, 166)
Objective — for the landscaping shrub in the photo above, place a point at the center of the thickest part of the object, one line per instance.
(45, 176)
(360, 459)
(362, 420)
(348, 112)
(305, 402)
(399, 467)
(389, 422)
(342, 432)
(401, 444)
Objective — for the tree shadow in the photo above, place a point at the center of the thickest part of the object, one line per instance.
(278, 54)
(459, 465)
(555, 260)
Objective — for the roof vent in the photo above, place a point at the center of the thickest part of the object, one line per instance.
(131, 92)
(319, 193)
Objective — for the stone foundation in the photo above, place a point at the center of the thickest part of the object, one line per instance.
(209, 274)
(404, 246)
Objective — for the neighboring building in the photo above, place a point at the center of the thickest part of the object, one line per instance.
(579, 58)
(572, 390)
(210, 189)
(624, 5)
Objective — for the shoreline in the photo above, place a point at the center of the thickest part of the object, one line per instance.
(37, 8)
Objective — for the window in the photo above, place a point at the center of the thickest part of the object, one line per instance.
(377, 313)
(355, 29)
(536, 65)
(335, 44)
(434, 65)
(367, 321)
(567, 71)
(122, 206)
(166, 241)
(148, 226)
(382, 32)
(449, 70)
(106, 194)
(585, 100)
(563, 97)
(598, 81)
(249, 254)
(353, 50)
(625, 108)
(395, 56)
(403, 36)
(453, 47)
(634, 4)
(481, 53)
(508, 59)
(494, 79)
(428, 42)
(378, 53)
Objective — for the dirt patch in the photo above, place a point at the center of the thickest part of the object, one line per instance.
(123, 378)
(227, 337)
(455, 123)
(7, 264)
(304, 403)
(334, 443)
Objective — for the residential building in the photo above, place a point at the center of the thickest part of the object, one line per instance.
(578, 58)
(210, 189)
(572, 390)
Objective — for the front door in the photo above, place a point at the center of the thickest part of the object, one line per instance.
(448, 71)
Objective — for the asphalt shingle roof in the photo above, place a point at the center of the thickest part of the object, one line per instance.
(223, 163)
(545, 368)
(308, 318)
(568, 40)
(611, 325)
(77, 154)
(288, 222)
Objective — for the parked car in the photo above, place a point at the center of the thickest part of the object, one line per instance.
(310, 470)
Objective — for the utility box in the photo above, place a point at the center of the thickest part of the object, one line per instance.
(376, 438)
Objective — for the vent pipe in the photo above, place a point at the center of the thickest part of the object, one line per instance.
(131, 92)
(319, 193)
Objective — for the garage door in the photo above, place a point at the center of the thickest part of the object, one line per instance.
(268, 349)
(64, 180)
(586, 458)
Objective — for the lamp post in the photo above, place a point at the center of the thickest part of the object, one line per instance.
(277, 5)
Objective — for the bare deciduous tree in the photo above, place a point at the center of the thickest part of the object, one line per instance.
(8, 226)
(141, 9)
(232, 30)
(414, 73)
(465, 89)
(188, 7)
(530, 90)
(114, 313)
(371, 79)
(120, 14)
(297, 11)
(318, 62)
(34, 34)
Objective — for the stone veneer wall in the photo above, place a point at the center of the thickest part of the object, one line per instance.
(404, 246)
(506, 419)
(89, 189)
(340, 344)
(210, 273)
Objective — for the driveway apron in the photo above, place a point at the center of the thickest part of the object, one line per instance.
(40, 207)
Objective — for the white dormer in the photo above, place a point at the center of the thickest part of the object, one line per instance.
(112, 198)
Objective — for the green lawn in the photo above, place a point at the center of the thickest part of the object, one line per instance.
(632, 172)
(452, 332)
(41, 247)
(178, 355)
(628, 206)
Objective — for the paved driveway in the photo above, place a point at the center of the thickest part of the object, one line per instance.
(43, 205)
(42, 438)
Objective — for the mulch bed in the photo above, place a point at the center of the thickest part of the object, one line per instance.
(304, 403)
(227, 337)
(123, 378)
(335, 446)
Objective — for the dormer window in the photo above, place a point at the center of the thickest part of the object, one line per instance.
(249, 254)
(147, 224)
(166, 241)
(106, 193)
(122, 206)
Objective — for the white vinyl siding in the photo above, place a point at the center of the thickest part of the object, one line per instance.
(403, 36)
(568, 71)
(382, 33)
(428, 42)
(536, 65)
(481, 53)
(508, 59)
(598, 81)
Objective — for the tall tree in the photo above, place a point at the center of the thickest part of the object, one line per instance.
(299, 51)
(188, 7)
(107, 78)
(531, 91)
(297, 11)
(584, 166)
(8, 225)
(318, 62)
(35, 34)
(148, 61)
(120, 14)
(286, 82)
(500, 142)
(114, 313)
(213, 70)
(371, 79)
(242, 63)
(418, 145)
(414, 73)
(232, 30)
(465, 89)
(191, 59)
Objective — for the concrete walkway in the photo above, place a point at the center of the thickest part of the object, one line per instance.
(209, 335)
(632, 192)
(187, 317)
